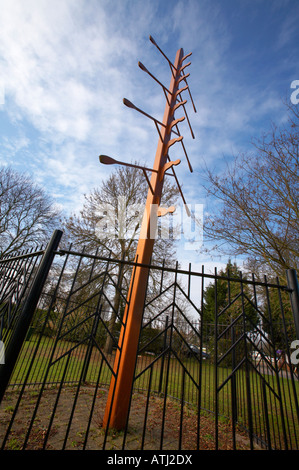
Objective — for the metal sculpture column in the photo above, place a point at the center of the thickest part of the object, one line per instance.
(121, 383)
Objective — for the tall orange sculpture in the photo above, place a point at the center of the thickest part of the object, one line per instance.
(118, 401)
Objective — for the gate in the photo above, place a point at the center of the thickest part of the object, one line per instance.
(214, 370)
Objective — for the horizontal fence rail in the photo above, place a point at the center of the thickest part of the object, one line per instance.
(213, 369)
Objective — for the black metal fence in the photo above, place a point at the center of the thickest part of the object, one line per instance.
(214, 367)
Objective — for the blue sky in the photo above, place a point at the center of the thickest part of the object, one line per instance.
(66, 65)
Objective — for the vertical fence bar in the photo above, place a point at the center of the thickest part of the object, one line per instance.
(182, 410)
(201, 330)
(282, 417)
(291, 386)
(163, 357)
(266, 412)
(97, 315)
(294, 296)
(169, 360)
(146, 408)
(27, 312)
(115, 371)
(265, 407)
(93, 405)
(234, 389)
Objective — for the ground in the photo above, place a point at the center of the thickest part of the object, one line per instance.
(52, 430)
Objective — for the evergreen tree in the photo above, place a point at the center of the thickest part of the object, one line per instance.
(223, 297)
(231, 300)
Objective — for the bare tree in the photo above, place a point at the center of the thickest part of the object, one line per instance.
(27, 213)
(259, 214)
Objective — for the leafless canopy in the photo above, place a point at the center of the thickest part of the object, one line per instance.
(27, 214)
(259, 193)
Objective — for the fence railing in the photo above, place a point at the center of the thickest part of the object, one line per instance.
(213, 370)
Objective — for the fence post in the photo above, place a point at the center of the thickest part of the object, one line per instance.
(16, 341)
(163, 357)
(294, 296)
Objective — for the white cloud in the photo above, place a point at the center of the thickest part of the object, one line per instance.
(58, 66)
(66, 66)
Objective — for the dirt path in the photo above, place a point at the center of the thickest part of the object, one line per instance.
(59, 425)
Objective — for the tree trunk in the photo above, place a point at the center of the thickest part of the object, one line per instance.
(109, 341)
